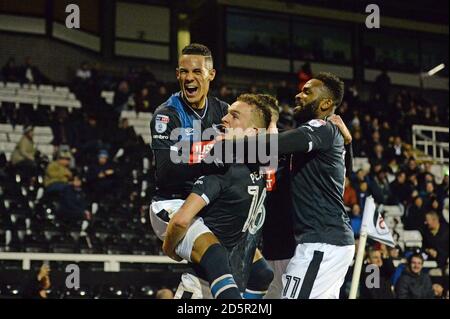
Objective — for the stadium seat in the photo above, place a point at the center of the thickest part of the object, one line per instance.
(6, 128)
(12, 85)
(393, 210)
(412, 238)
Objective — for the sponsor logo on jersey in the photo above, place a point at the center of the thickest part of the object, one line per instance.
(161, 137)
(317, 123)
(161, 123)
(200, 150)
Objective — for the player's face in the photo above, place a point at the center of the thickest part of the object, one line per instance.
(239, 119)
(194, 77)
(308, 101)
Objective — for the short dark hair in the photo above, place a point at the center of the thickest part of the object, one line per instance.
(432, 213)
(198, 49)
(334, 85)
(262, 104)
(415, 255)
(273, 104)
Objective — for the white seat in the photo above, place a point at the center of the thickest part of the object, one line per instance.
(8, 91)
(14, 137)
(6, 128)
(30, 86)
(7, 147)
(44, 87)
(392, 210)
(3, 137)
(46, 149)
(143, 131)
(145, 116)
(62, 89)
(147, 138)
(8, 156)
(13, 85)
(139, 122)
(130, 115)
(43, 130)
(412, 238)
(18, 129)
(43, 139)
(108, 96)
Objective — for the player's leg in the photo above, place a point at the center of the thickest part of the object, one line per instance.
(276, 286)
(316, 271)
(261, 275)
(202, 247)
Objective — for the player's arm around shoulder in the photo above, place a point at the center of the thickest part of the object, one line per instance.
(337, 120)
(180, 223)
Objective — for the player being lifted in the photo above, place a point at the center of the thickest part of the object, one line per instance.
(222, 210)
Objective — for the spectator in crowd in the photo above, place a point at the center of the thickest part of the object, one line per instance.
(58, 174)
(382, 289)
(436, 239)
(284, 93)
(61, 128)
(350, 197)
(24, 155)
(380, 188)
(414, 215)
(35, 286)
(377, 156)
(10, 72)
(162, 95)
(383, 85)
(363, 193)
(73, 203)
(286, 118)
(400, 189)
(412, 168)
(30, 73)
(414, 283)
(83, 73)
(304, 75)
(125, 137)
(358, 144)
(89, 139)
(101, 176)
(225, 94)
(442, 189)
(438, 291)
(121, 96)
(356, 219)
(142, 101)
(397, 151)
(164, 293)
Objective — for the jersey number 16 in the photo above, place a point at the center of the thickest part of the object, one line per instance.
(257, 212)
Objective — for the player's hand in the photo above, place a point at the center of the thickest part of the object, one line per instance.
(337, 120)
(170, 252)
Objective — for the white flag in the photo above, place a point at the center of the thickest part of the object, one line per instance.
(373, 223)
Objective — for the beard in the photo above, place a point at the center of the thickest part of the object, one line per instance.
(307, 112)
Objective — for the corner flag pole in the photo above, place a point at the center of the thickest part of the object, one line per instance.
(369, 205)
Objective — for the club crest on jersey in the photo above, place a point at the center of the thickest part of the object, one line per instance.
(161, 123)
(317, 123)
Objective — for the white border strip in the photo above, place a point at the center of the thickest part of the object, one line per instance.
(22, 24)
(76, 36)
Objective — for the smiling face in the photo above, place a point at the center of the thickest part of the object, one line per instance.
(240, 116)
(312, 102)
(194, 73)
